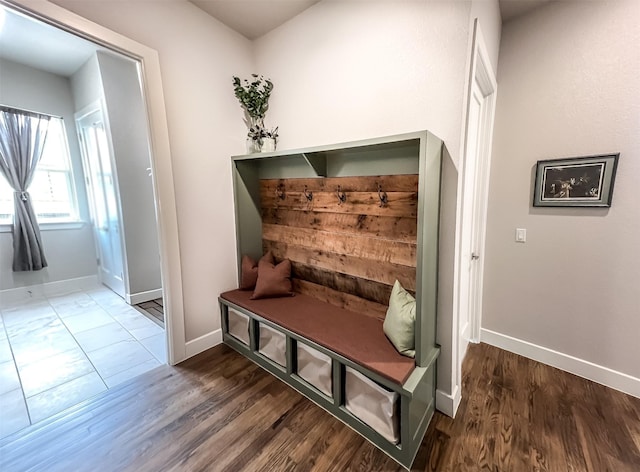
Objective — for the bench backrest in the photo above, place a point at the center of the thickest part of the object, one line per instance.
(348, 238)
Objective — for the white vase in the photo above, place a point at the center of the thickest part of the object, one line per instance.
(268, 144)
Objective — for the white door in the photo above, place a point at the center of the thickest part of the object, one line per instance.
(101, 189)
(472, 220)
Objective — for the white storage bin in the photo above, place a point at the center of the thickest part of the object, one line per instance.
(239, 326)
(273, 344)
(315, 368)
(373, 404)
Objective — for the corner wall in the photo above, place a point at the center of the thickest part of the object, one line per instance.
(569, 87)
(345, 71)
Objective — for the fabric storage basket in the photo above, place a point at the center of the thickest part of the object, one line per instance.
(372, 404)
(239, 326)
(315, 368)
(273, 344)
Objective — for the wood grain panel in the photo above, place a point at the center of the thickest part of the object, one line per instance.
(403, 204)
(340, 299)
(372, 270)
(383, 227)
(347, 253)
(363, 288)
(373, 249)
(397, 183)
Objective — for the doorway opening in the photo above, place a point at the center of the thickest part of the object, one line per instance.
(65, 336)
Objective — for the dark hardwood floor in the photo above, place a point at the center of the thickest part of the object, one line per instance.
(219, 412)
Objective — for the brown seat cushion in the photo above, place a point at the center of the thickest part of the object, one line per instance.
(355, 336)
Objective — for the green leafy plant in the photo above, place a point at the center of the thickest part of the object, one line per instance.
(253, 96)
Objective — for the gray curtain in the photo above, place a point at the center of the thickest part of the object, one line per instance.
(22, 137)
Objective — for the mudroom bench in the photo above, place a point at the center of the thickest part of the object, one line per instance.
(351, 221)
(339, 359)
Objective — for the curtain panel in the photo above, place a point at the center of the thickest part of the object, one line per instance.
(22, 138)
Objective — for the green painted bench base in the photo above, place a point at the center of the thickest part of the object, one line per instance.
(417, 402)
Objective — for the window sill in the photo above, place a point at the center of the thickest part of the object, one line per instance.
(59, 226)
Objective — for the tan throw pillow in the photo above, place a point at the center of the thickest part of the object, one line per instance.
(249, 271)
(273, 280)
(400, 322)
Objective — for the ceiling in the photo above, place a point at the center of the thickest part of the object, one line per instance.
(510, 9)
(253, 18)
(45, 47)
(36, 44)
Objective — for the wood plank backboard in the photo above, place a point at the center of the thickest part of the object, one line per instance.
(348, 253)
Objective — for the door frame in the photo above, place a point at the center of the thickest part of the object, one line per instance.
(484, 76)
(480, 70)
(100, 106)
(161, 166)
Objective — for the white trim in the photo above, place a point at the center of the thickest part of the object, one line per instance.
(479, 69)
(588, 370)
(12, 296)
(204, 342)
(57, 226)
(448, 404)
(161, 165)
(141, 297)
(485, 78)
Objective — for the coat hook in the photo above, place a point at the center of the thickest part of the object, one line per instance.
(342, 197)
(382, 195)
(308, 194)
(280, 192)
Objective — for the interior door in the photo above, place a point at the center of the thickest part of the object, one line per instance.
(471, 222)
(102, 191)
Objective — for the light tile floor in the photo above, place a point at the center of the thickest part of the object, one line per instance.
(60, 351)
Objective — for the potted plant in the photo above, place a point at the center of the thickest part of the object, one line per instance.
(253, 96)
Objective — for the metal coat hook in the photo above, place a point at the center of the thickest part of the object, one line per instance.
(382, 195)
(280, 192)
(308, 194)
(342, 197)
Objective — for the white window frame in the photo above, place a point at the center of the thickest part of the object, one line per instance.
(73, 219)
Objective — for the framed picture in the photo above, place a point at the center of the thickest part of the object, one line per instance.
(575, 182)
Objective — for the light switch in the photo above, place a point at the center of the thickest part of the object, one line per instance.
(521, 235)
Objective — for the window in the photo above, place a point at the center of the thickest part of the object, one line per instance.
(52, 190)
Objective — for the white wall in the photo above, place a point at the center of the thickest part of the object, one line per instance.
(355, 70)
(86, 84)
(569, 86)
(69, 252)
(488, 14)
(198, 57)
(129, 134)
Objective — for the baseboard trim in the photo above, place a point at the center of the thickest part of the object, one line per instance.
(448, 404)
(204, 342)
(12, 296)
(141, 297)
(588, 370)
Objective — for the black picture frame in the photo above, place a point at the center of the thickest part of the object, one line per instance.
(575, 181)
